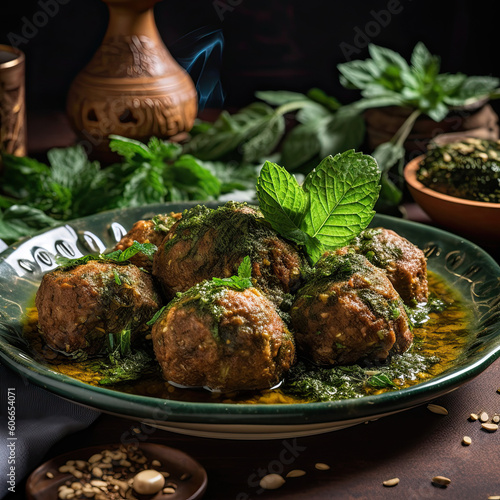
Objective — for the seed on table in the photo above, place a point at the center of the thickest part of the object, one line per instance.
(484, 417)
(296, 473)
(440, 410)
(272, 482)
(473, 417)
(391, 482)
(496, 419)
(490, 427)
(494, 497)
(322, 466)
(441, 480)
(466, 440)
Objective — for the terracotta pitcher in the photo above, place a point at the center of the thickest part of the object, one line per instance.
(132, 86)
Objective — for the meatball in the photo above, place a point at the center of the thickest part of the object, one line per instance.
(209, 243)
(347, 311)
(147, 231)
(222, 339)
(404, 263)
(79, 306)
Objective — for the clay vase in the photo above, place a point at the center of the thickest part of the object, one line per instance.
(132, 86)
(477, 120)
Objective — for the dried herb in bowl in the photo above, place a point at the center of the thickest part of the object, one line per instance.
(468, 169)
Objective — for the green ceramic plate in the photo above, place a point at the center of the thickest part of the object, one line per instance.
(466, 267)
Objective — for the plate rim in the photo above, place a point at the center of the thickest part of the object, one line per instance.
(137, 406)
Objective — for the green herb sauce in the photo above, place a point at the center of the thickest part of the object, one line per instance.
(441, 336)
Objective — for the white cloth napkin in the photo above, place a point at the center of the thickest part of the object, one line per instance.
(41, 419)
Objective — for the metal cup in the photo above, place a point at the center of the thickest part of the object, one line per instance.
(12, 102)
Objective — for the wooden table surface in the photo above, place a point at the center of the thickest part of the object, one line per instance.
(414, 445)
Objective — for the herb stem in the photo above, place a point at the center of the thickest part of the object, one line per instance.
(403, 132)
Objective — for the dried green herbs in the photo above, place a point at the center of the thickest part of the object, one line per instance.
(468, 169)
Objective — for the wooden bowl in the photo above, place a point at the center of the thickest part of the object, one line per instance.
(477, 220)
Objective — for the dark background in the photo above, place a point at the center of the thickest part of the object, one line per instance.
(279, 44)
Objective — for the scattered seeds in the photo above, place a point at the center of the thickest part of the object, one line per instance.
(441, 480)
(391, 482)
(473, 417)
(322, 466)
(490, 427)
(296, 473)
(466, 441)
(272, 482)
(484, 417)
(440, 410)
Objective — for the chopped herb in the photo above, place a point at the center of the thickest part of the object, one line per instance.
(240, 282)
(118, 256)
(118, 281)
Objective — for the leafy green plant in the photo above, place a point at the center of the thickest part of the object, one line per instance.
(37, 195)
(334, 204)
(386, 79)
(253, 133)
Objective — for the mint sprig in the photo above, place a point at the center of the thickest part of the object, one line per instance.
(334, 204)
(147, 249)
(240, 282)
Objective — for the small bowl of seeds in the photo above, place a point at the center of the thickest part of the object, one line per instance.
(146, 471)
(458, 185)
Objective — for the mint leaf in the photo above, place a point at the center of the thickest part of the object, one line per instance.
(245, 268)
(335, 204)
(240, 282)
(147, 249)
(18, 221)
(279, 97)
(282, 201)
(342, 192)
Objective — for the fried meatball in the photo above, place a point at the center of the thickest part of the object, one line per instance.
(222, 339)
(209, 243)
(347, 311)
(147, 231)
(79, 306)
(404, 262)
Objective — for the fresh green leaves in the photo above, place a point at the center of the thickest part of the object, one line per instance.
(386, 79)
(240, 282)
(259, 130)
(334, 204)
(70, 186)
(147, 249)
